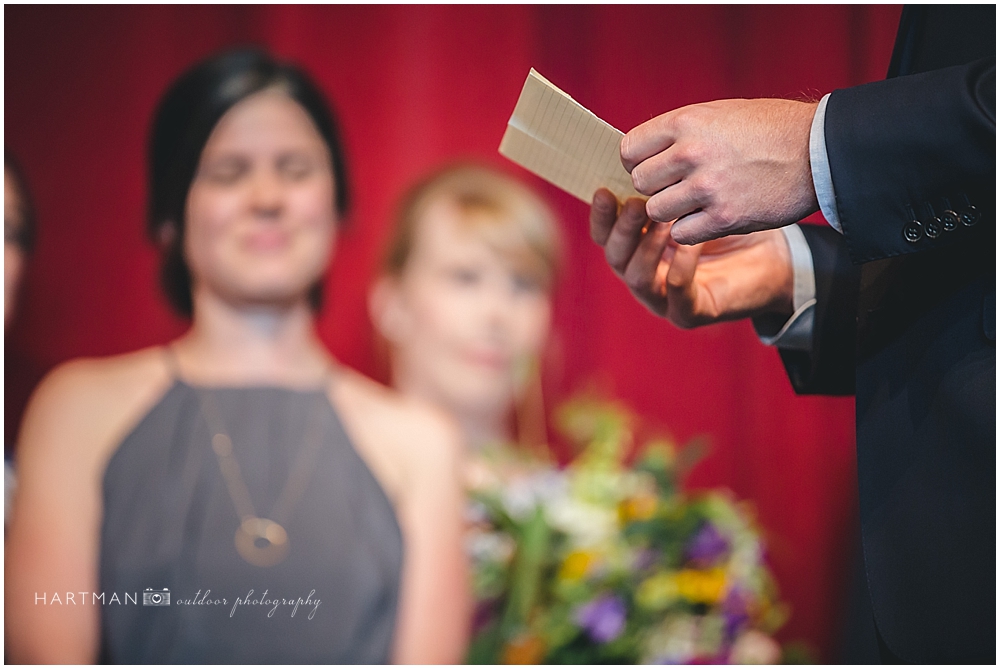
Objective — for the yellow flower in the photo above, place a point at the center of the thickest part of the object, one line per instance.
(701, 586)
(657, 592)
(640, 507)
(525, 649)
(576, 565)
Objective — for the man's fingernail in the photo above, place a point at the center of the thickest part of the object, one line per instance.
(683, 237)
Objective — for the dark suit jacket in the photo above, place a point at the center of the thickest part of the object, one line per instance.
(905, 319)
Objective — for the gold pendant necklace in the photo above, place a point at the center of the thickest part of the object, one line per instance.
(263, 542)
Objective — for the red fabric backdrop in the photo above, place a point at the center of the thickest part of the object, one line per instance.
(415, 86)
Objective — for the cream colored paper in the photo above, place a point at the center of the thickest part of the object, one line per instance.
(552, 135)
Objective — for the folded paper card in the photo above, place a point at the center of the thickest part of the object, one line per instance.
(555, 137)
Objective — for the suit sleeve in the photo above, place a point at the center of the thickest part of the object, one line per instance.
(909, 149)
(828, 367)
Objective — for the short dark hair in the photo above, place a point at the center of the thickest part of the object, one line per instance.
(182, 124)
(26, 235)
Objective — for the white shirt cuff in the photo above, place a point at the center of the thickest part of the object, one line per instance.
(819, 162)
(796, 333)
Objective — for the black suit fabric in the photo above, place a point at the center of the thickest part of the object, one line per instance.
(905, 319)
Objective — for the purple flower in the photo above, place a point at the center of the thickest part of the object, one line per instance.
(645, 558)
(737, 600)
(707, 546)
(485, 613)
(735, 609)
(603, 618)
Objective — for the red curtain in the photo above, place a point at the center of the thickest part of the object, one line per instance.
(415, 86)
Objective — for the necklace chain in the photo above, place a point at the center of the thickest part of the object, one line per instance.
(262, 542)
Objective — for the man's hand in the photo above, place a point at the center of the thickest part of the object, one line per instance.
(720, 280)
(724, 167)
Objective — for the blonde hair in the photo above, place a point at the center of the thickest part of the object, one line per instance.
(502, 211)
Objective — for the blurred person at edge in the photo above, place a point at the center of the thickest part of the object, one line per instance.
(464, 301)
(18, 243)
(137, 471)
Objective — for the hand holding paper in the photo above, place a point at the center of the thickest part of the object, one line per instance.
(721, 280)
(556, 138)
(724, 167)
(553, 136)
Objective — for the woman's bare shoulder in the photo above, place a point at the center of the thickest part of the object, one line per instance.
(96, 381)
(88, 403)
(404, 419)
(399, 436)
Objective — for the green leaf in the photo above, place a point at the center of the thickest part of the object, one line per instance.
(526, 572)
(486, 647)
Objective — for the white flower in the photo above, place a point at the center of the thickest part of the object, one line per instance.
(518, 499)
(489, 546)
(746, 558)
(476, 513)
(587, 525)
(525, 493)
(674, 642)
(550, 485)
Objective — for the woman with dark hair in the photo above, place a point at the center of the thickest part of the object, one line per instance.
(237, 496)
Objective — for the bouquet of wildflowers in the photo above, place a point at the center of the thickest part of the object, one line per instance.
(602, 562)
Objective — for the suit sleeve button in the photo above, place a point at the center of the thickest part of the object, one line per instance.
(933, 229)
(949, 220)
(970, 216)
(913, 232)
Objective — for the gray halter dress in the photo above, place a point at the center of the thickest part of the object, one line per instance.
(168, 533)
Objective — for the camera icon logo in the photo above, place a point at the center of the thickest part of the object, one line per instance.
(152, 597)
